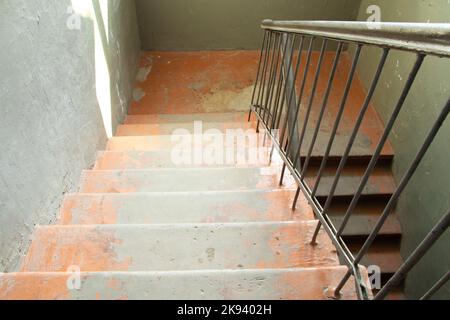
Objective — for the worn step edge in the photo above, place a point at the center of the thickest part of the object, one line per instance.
(265, 284)
(185, 118)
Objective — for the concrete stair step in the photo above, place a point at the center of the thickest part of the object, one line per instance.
(182, 207)
(361, 152)
(364, 218)
(362, 225)
(149, 143)
(383, 253)
(266, 284)
(186, 118)
(381, 182)
(169, 142)
(191, 179)
(184, 128)
(178, 247)
(138, 160)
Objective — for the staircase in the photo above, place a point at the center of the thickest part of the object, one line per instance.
(142, 227)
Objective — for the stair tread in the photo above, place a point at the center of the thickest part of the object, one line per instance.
(165, 142)
(262, 284)
(362, 225)
(183, 207)
(381, 182)
(135, 160)
(168, 141)
(179, 179)
(179, 247)
(384, 254)
(364, 218)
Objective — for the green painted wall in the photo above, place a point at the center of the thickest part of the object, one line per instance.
(231, 24)
(428, 196)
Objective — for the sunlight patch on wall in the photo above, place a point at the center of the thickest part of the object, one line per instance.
(102, 73)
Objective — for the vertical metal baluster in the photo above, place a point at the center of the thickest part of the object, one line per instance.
(292, 96)
(387, 131)
(418, 254)
(297, 195)
(268, 111)
(280, 86)
(264, 71)
(338, 118)
(274, 81)
(437, 286)
(258, 74)
(292, 91)
(322, 110)
(271, 72)
(280, 83)
(264, 77)
(382, 142)
(311, 99)
(283, 93)
(313, 93)
(300, 95)
(271, 85)
(353, 136)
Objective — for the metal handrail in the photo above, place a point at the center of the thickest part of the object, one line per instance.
(275, 97)
(426, 38)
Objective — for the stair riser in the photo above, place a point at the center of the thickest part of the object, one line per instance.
(187, 118)
(198, 127)
(235, 142)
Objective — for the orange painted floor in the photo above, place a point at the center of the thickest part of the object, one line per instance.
(196, 82)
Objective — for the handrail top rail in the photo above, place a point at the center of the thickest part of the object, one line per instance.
(425, 38)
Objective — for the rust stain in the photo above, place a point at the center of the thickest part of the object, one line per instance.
(99, 210)
(34, 287)
(52, 250)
